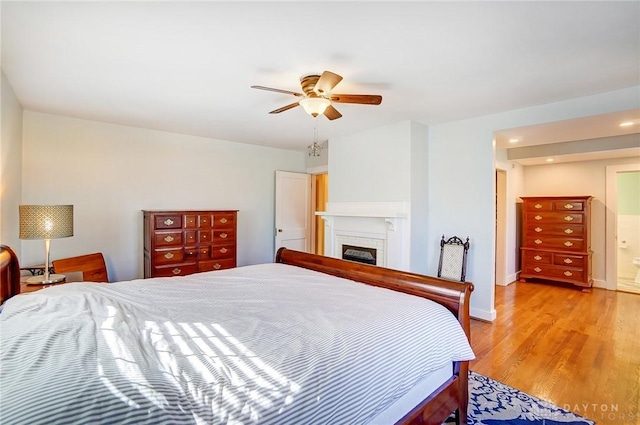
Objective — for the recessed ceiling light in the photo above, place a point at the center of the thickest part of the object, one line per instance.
(549, 159)
(514, 140)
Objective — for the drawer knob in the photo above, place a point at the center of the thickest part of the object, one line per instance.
(537, 206)
(537, 258)
(176, 271)
(568, 206)
(223, 235)
(538, 217)
(190, 252)
(568, 261)
(568, 231)
(168, 238)
(568, 218)
(223, 250)
(568, 273)
(223, 220)
(168, 222)
(538, 229)
(216, 266)
(537, 269)
(568, 243)
(168, 255)
(204, 252)
(538, 241)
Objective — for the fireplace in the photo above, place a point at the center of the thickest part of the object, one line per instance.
(378, 232)
(359, 253)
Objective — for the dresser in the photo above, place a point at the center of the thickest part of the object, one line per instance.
(556, 239)
(178, 243)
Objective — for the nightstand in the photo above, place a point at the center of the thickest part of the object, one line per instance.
(32, 288)
(69, 277)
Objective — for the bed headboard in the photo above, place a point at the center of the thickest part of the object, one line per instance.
(9, 273)
(453, 295)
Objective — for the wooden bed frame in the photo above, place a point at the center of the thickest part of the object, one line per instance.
(453, 395)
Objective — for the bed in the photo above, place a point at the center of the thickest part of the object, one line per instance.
(304, 340)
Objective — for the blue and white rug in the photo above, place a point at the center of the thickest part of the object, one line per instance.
(494, 403)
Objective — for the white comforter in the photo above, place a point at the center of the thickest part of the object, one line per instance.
(267, 344)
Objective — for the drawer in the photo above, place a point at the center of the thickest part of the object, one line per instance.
(168, 238)
(223, 251)
(223, 236)
(207, 266)
(554, 217)
(556, 273)
(204, 220)
(175, 270)
(542, 205)
(224, 220)
(568, 205)
(168, 221)
(538, 257)
(555, 229)
(569, 260)
(164, 256)
(191, 221)
(549, 242)
(191, 237)
(190, 253)
(204, 253)
(204, 236)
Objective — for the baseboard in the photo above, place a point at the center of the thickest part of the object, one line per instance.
(599, 283)
(487, 316)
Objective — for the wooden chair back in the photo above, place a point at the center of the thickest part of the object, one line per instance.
(92, 266)
(9, 273)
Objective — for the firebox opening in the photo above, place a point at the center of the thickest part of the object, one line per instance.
(359, 254)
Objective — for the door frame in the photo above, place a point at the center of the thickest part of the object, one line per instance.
(611, 222)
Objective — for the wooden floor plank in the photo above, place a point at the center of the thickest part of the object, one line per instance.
(578, 350)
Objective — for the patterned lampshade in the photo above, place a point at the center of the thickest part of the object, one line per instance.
(46, 221)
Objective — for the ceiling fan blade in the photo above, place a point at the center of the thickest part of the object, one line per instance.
(328, 80)
(366, 99)
(277, 90)
(332, 113)
(284, 108)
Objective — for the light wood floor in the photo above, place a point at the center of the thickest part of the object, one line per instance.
(578, 350)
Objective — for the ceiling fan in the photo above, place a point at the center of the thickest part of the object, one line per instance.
(317, 97)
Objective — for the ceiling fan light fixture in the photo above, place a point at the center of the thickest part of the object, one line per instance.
(315, 106)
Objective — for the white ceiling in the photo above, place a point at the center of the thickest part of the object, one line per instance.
(187, 67)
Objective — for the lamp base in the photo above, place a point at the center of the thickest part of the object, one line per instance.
(39, 280)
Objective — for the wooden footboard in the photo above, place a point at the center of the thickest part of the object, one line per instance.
(453, 395)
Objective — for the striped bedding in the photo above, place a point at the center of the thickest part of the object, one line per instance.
(263, 344)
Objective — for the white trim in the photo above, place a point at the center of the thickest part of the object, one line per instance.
(611, 223)
(488, 316)
(321, 169)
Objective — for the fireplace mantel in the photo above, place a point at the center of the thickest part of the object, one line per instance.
(381, 225)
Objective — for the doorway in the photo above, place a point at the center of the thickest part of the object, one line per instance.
(501, 230)
(623, 227)
(320, 194)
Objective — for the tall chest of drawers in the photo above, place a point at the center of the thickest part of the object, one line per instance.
(178, 243)
(556, 239)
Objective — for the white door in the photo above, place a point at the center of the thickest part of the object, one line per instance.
(293, 211)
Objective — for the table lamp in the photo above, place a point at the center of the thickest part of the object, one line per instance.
(46, 222)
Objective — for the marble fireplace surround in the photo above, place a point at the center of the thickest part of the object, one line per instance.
(380, 225)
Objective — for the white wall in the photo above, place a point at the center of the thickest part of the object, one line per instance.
(10, 166)
(111, 172)
(419, 198)
(371, 166)
(462, 179)
(578, 178)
